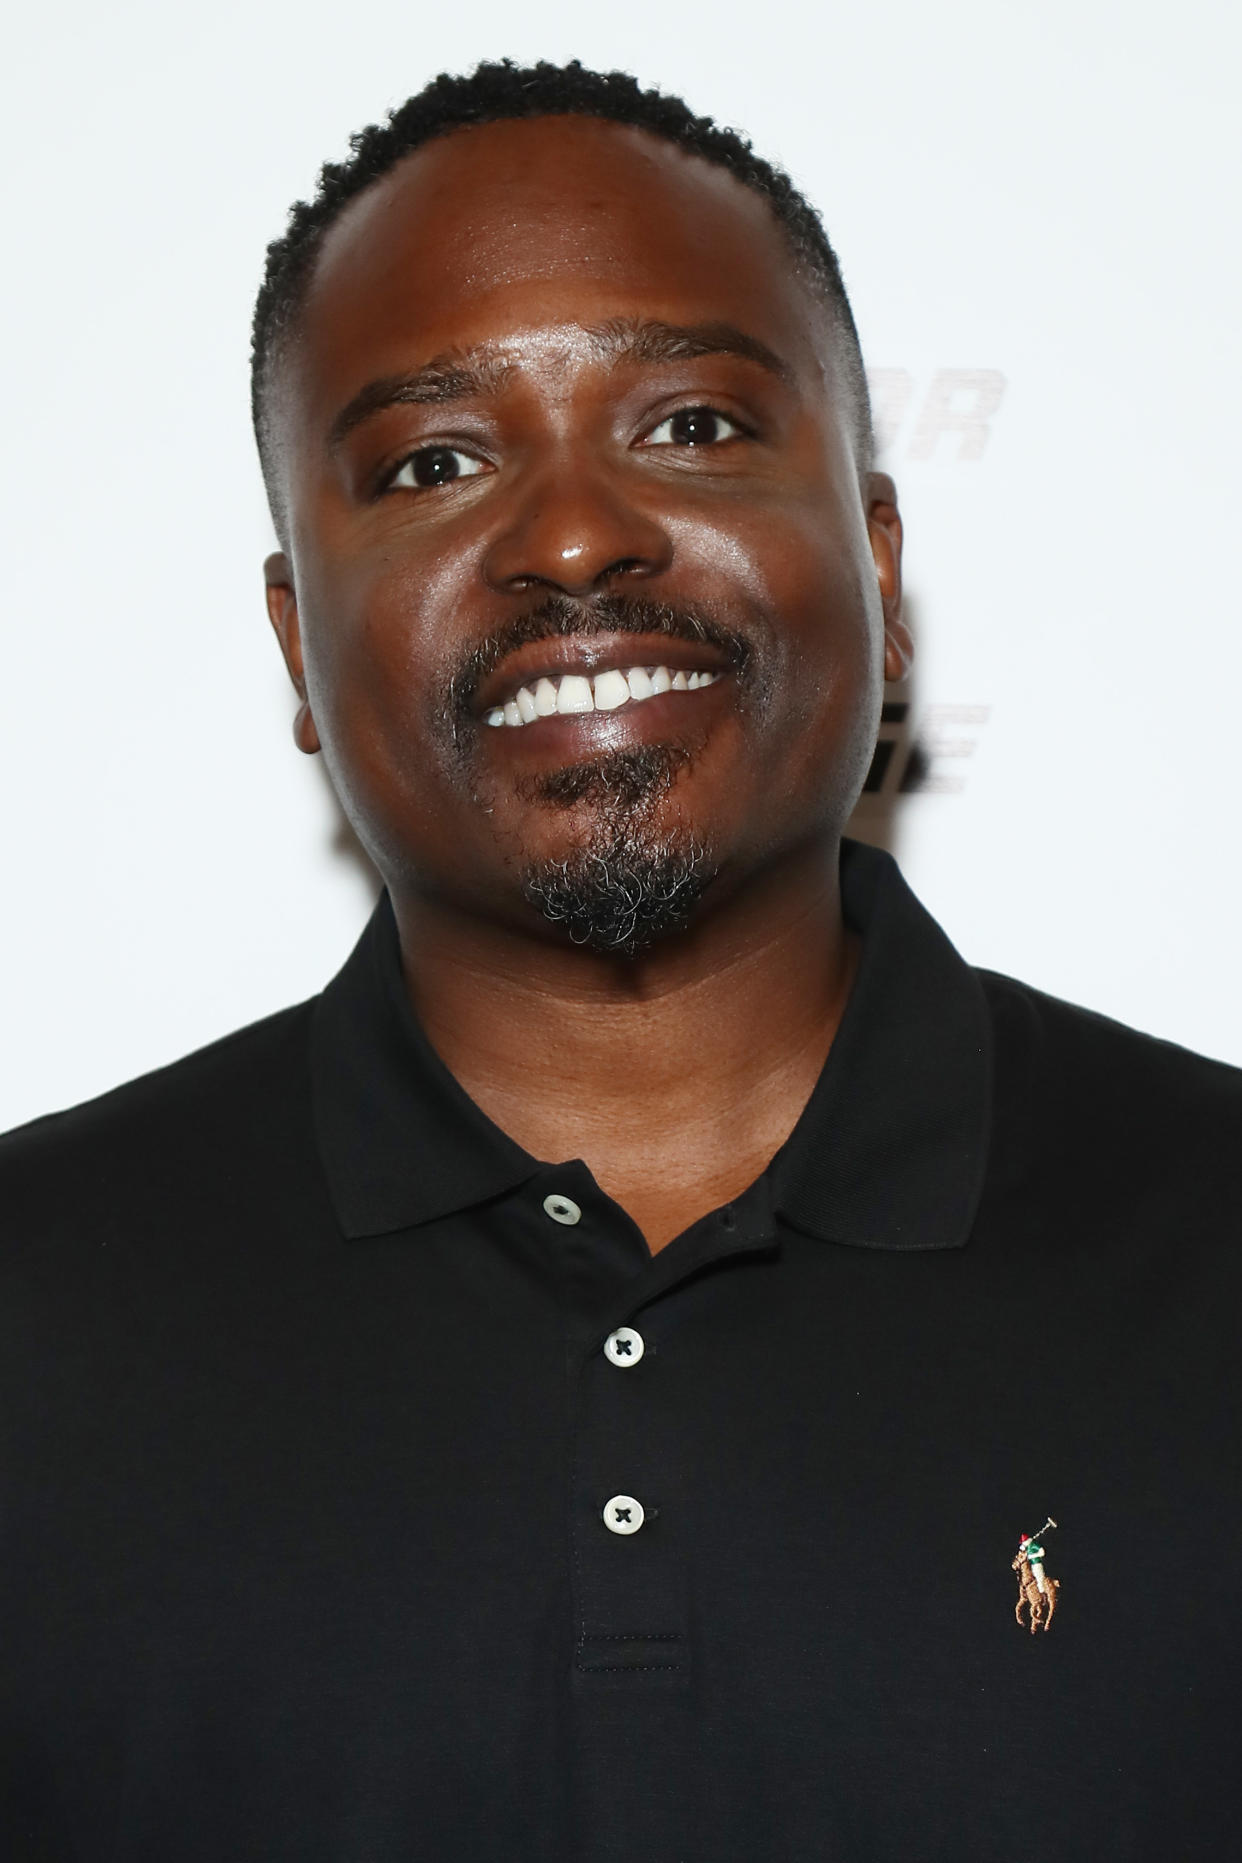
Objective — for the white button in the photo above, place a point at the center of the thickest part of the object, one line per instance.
(562, 1209)
(623, 1514)
(624, 1347)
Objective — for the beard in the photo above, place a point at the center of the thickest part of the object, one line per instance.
(628, 881)
(627, 885)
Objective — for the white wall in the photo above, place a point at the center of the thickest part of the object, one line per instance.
(1036, 210)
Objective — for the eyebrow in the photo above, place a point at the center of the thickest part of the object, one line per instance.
(632, 339)
(474, 374)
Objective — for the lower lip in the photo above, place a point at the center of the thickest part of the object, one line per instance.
(668, 715)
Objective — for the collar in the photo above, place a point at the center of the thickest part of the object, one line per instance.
(892, 1147)
(889, 1153)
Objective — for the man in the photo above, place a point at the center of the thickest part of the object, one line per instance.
(561, 1393)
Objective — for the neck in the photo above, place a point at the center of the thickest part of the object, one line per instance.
(676, 1075)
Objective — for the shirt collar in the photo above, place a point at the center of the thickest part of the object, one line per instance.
(892, 1147)
(889, 1153)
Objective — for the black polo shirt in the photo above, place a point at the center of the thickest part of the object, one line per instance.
(370, 1492)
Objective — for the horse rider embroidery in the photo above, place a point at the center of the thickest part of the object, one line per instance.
(1037, 1593)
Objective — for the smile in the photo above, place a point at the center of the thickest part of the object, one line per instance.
(573, 693)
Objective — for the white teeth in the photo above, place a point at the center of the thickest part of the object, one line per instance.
(572, 693)
(575, 694)
(611, 689)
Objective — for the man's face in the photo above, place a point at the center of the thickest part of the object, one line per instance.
(562, 424)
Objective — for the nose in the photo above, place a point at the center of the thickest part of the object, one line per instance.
(572, 529)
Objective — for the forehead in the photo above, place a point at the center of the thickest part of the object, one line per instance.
(514, 227)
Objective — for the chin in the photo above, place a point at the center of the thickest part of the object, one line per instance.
(624, 886)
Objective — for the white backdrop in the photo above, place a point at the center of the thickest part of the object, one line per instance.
(1035, 207)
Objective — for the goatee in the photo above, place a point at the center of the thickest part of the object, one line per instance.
(626, 887)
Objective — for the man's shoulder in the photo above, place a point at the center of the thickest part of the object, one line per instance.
(1061, 1034)
(201, 1106)
(1112, 1106)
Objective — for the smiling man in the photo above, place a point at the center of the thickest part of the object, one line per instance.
(573, 1389)
(587, 591)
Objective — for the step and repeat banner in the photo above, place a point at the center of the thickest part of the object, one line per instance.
(1035, 211)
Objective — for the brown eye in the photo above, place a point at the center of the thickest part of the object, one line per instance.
(694, 427)
(436, 465)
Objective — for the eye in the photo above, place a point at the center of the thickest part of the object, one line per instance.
(694, 427)
(435, 465)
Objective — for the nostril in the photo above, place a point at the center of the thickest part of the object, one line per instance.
(623, 566)
(561, 546)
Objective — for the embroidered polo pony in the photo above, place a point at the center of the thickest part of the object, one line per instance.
(1037, 1593)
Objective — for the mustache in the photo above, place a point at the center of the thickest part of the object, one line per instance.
(561, 615)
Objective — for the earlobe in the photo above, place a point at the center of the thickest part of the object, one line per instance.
(282, 609)
(898, 651)
(305, 730)
(885, 535)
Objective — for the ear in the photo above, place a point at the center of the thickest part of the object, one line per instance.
(282, 609)
(884, 531)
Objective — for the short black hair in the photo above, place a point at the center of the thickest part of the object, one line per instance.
(502, 92)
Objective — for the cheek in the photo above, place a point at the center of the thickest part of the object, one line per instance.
(808, 573)
(825, 678)
(390, 761)
(373, 659)
(374, 689)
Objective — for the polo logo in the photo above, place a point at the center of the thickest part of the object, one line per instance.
(1037, 1593)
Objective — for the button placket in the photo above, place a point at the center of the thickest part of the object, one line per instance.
(623, 1348)
(629, 1577)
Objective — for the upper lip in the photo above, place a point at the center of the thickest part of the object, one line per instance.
(588, 654)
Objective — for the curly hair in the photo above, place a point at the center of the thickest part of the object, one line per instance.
(501, 92)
